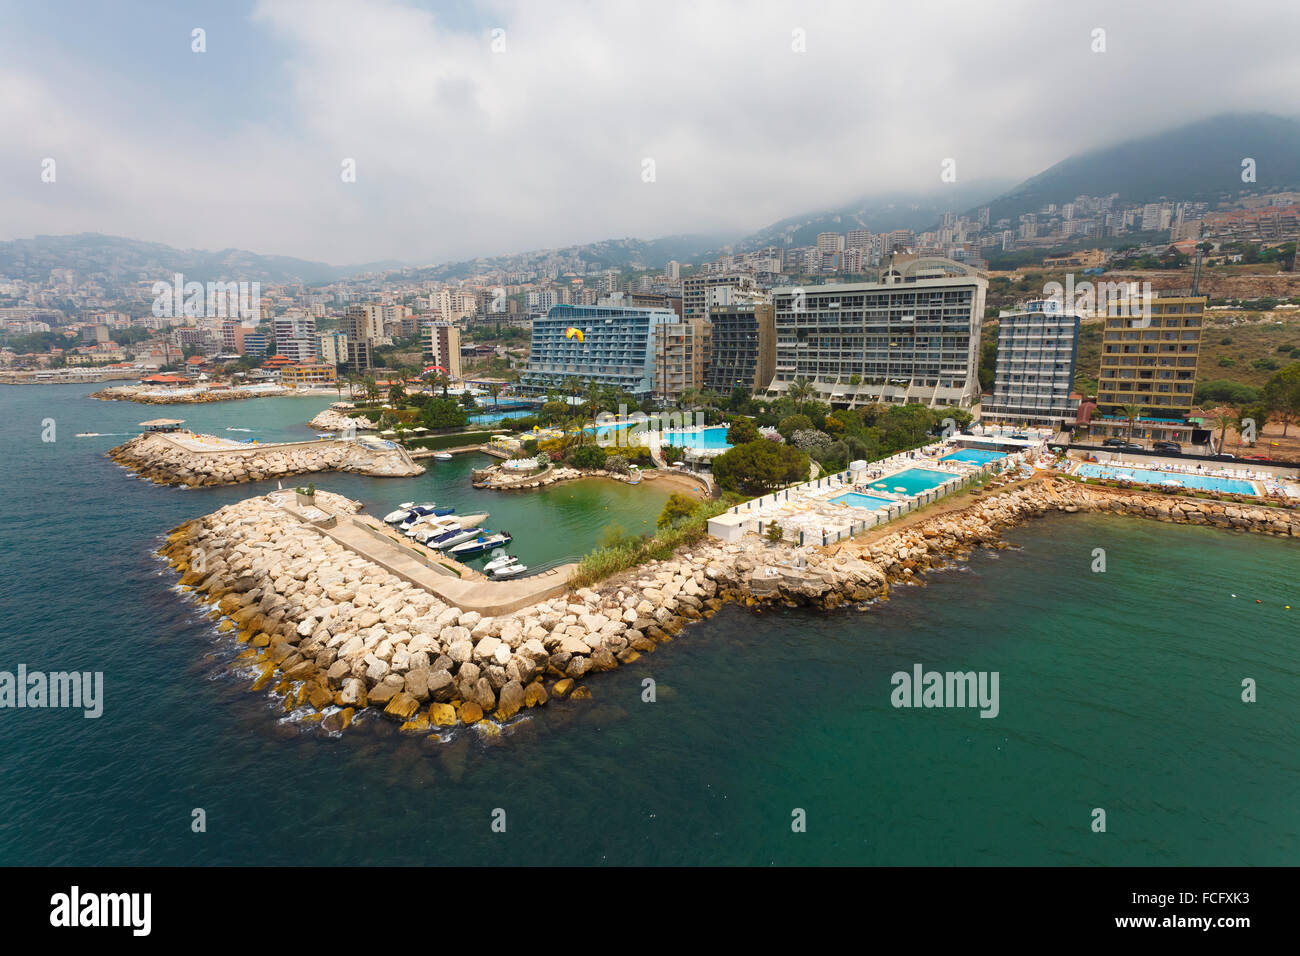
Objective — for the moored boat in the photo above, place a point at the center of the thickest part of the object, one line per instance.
(481, 544)
(456, 537)
(503, 561)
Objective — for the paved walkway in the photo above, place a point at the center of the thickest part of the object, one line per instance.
(444, 578)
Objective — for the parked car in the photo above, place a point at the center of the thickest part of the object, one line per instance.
(1223, 456)
(1115, 442)
(1167, 446)
(1019, 437)
(1255, 458)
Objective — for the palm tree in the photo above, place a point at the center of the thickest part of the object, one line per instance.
(494, 389)
(1225, 418)
(1131, 413)
(801, 390)
(371, 388)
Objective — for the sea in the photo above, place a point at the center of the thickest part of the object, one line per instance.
(754, 738)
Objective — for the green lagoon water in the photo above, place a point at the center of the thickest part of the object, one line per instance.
(1118, 690)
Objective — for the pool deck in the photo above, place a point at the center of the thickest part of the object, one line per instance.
(808, 513)
(1262, 484)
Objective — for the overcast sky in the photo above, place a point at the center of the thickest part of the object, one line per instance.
(461, 150)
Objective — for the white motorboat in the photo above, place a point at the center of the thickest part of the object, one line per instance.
(471, 521)
(393, 517)
(424, 531)
(509, 571)
(502, 562)
(456, 537)
(442, 456)
(481, 544)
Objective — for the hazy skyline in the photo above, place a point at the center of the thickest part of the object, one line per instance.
(462, 150)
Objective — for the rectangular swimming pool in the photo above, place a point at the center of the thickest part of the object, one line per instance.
(974, 456)
(913, 481)
(1204, 482)
(705, 439)
(858, 500)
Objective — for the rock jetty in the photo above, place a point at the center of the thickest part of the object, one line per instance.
(152, 395)
(497, 478)
(168, 461)
(333, 420)
(334, 633)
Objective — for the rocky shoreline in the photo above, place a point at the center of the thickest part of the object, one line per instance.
(495, 478)
(146, 395)
(333, 420)
(337, 634)
(166, 462)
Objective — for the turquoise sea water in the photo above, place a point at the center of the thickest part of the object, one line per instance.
(1118, 690)
(1205, 482)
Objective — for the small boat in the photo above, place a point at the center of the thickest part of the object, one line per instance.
(400, 514)
(442, 456)
(425, 533)
(429, 524)
(233, 429)
(509, 571)
(456, 537)
(503, 561)
(482, 544)
(87, 434)
(422, 511)
(471, 521)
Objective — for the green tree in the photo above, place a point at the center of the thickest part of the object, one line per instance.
(801, 390)
(1281, 394)
(1224, 418)
(758, 467)
(742, 431)
(588, 456)
(794, 423)
(677, 507)
(1131, 414)
(442, 413)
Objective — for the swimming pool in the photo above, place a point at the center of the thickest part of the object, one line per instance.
(858, 500)
(706, 439)
(974, 456)
(1204, 482)
(913, 481)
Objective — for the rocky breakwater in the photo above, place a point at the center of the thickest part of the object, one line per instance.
(334, 633)
(168, 461)
(497, 478)
(151, 395)
(333, 420)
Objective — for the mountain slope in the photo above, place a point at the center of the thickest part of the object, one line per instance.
(1200, 161)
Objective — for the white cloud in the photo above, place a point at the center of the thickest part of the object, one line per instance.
(462, 152)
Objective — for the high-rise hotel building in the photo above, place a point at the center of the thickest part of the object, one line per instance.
(1149, 361)
(617, 347)
(913, 337)
(442, 348)
(1037, 349)
(742, 347)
